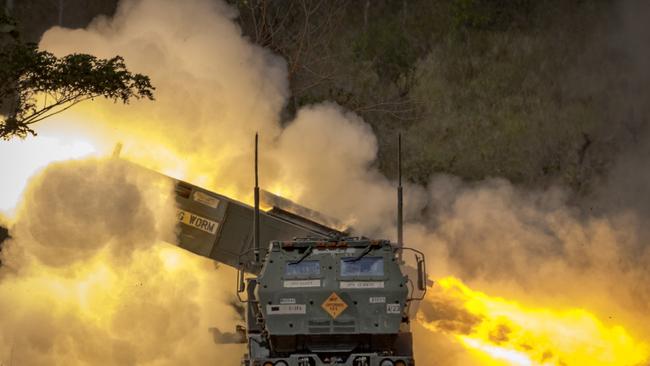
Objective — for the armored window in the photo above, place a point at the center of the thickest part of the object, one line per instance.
(365, 266)
(304, 268)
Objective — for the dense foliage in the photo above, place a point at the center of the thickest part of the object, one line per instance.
(35, 84)
(532, 91)
(535, 91)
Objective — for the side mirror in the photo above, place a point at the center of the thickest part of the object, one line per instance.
(240, 330)
(241, 286)
(422, 273)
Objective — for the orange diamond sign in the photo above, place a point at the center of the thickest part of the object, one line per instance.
(334, 305)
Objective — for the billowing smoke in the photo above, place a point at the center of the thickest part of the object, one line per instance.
(120, 296)
(538, 248)
(74, 211)
(214, 91)
(87, 280)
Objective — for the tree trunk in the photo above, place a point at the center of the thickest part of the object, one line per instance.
(60, 13)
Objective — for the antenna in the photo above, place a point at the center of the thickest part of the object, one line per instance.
(256, 223)
(400, 242)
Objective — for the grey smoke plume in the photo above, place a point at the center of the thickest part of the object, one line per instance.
(214, 91)
(535, 248)
(71, 208)
(87, 279)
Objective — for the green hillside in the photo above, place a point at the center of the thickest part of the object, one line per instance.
(537, 92)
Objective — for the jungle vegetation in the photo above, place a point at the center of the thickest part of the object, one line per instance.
(535, 91)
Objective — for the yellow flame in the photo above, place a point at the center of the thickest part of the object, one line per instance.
(510, 332)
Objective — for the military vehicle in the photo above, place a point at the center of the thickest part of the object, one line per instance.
(313, 294)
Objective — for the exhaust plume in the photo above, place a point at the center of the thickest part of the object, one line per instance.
(87, 280)
(548, 254)
(214, 91)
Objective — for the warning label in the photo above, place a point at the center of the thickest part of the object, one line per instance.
(205, 199)
(197, 221)
(334, 305)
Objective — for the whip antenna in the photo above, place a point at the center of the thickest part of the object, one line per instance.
(256, 223)
(400, 242)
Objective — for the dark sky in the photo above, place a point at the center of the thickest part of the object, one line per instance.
(36, 16)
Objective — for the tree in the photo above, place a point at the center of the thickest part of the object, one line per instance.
(35, 84)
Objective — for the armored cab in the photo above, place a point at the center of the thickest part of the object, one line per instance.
(338, 302)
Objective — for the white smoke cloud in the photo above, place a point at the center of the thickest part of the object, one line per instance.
(536, 247)
(72, 209)
(214, 91)
(86, 279)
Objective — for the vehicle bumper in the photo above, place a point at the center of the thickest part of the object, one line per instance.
(360, 359)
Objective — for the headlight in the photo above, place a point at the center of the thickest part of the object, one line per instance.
(281, 363)
(386, 363)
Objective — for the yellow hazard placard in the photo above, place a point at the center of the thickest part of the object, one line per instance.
(334, 305)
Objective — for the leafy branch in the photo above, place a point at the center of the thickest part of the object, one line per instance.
(35, 84)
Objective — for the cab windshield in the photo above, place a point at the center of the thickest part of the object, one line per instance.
(365, 266)
(303, 268)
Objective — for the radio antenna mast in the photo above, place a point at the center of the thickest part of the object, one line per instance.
(400, 238)
(256, 223)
